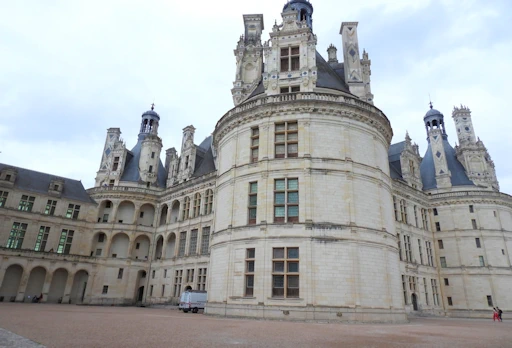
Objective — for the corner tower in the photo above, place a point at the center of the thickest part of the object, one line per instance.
(151, 146)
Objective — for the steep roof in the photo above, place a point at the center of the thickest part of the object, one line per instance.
(428, 171)
(395, 166)
(37, 182)
(205, 161)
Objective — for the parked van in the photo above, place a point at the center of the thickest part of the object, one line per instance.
(193, 300)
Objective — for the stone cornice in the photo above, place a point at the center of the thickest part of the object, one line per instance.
(320, 103)
(465, 197)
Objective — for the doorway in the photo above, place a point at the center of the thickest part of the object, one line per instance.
(414, 302)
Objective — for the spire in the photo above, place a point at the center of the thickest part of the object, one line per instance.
(304, 10)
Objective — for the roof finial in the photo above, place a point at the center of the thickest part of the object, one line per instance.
(153, 106)
(430, 103)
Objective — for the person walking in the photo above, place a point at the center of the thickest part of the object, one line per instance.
(500, 312)
(494, 314)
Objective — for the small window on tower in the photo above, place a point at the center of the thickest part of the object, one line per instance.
(152, 155)
(151, 169)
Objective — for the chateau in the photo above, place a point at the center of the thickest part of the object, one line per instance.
(297, 207)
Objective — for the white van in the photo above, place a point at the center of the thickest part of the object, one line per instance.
(193, 300)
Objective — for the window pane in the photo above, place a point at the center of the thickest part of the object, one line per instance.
(284, 64)
(293, 184)
(253, 200)
(253, 187)
(293, 266)
(293, 281)
(250, 281)
(295, 62)
(255, 142)
(278, 266)
(280, 138)
(293, 136)
(293, 211)
(279, 185)
(293, 148)
(278, 281)
(252, 213)
(280, 149)
(278, 253)
(279, 198)
(292, 126)
(250, 253)
(293, 253)
(279, 211)
(293, 197)
(250, 266)
(280, 127)
(295, 50)
(284, 52)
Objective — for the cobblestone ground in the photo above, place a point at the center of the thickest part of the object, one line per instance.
(80, 326)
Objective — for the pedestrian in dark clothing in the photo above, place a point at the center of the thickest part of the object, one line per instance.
(499, 313)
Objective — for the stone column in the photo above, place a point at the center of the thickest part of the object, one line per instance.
(20, 297)
(67, 289)
(46, 286)
(113, 214)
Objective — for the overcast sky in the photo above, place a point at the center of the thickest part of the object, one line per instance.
(72, 69)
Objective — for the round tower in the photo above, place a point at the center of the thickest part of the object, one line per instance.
(150, 147)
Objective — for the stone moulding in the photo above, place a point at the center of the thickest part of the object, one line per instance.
(347, 106)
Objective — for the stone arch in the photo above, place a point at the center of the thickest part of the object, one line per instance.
(35, 283)
(99, 244)
(159, 248)
(175, 211)
(57, 286)
(146, 215)
(170, 246)
(139, 288)
(163, 214)
(11, 283)
(140, 249)
(105, 210)
(125, 212)
(186, 208)
(119, 245)
(79, 287)
(188, 288)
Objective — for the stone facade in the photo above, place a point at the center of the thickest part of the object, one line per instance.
(298, 207)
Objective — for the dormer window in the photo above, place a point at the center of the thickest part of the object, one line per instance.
(56, 187)
(8, 177)
(290, 59)
(290, 89)
(115, 165)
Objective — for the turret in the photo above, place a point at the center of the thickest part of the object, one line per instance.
(332, 54)
(188, 155)
(151, 146)
(352, 61)
(112, 160)
(304, 11)
(436, 132)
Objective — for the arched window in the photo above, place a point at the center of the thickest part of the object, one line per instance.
(186, 208)
(197, 204)
(208, 202)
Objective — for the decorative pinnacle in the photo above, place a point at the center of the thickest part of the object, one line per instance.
(431, 105)
(153, 106)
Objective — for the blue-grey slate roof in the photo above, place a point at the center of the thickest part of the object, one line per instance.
(37, 182)
(205, 162)
(395, 166)
(428, 172)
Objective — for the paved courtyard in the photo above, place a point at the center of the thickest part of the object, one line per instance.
(80, 326)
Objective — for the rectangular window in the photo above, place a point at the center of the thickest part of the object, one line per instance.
(290, 58)
(151, 291)
(286, 200)
(425, 286)
(443, 261)
(105, 289)
(408, 251)
(440, 244)
(105, 218)
(192, 249)
(477, 241)
(26, 203)
(438, 226)
(115, 164)
(249, 272)
(253, 202)
(137, 246)
(16, 236)
(395, 207)
(255, 144)
(285, 272)
(183, 241)
(186, 208)
(42, 238)
(165, 273)
(178, 277)
(446, 282)
(120, 273)
(450, 302)
(201, 279)
(205, 241)
(403, 211)
(421, 251)
(399, 246)
(489, 301)
(424, 219)
(473, 223)
(98, 252)
(471, 209)
(197, 205)
(286, 140)
(65, 240)
(416, 216)
(404, 288)
(430, 257)
(163, 290)
(435, 211)
(482, 261)
(152, 155)
(435, 293)
(50, 207)
(208, 202)
(111, 183)
(190, 275)
(3, 198)
(73, 211)
(289, 89)
(153, 274)
(412, 284)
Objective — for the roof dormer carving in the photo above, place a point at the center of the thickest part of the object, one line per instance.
(8, 176)
(56, 186)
